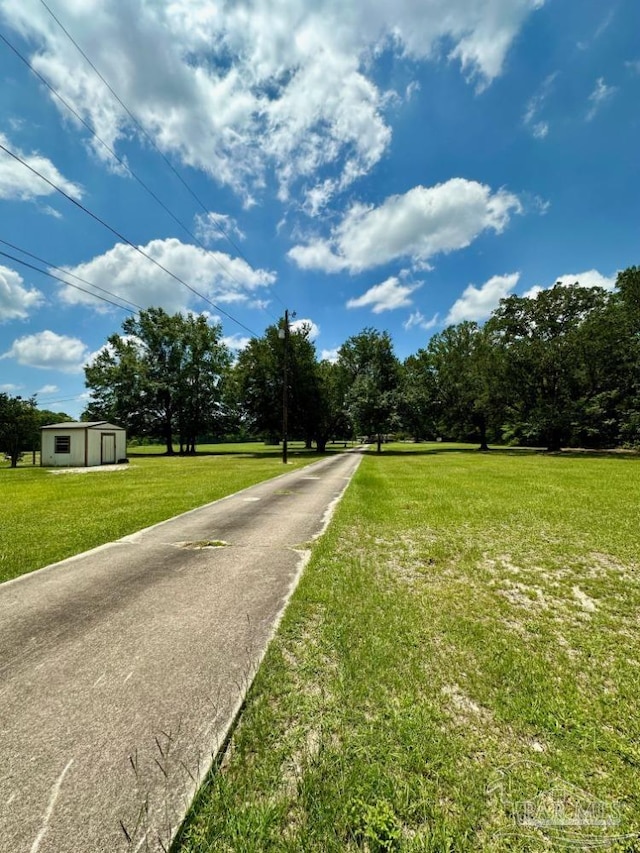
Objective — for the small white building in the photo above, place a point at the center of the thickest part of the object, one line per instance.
(82, 444)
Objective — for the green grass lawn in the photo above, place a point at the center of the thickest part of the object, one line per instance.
(46, 516)
(460, 661)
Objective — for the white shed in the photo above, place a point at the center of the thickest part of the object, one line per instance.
(82, 444)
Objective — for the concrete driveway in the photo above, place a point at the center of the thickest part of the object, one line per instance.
(122, 669)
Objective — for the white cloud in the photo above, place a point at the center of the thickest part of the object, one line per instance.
(633, 65)
(602, 27)
(539, 128)
(317, 254)
(18, 182)
(9, 388)
(317, 198)
(235, 342)
(533, 292)
(236, 89)
(329, 355)
(128, 274)
(385, 297)
(51, 211)
(47, 390)
(16, 300)
(477, 303)
(302, 323)
(411, 90)
(600, 95)
(423, 222)
(589, 278)
(417, 318)
(490, 30)
(216, 226)
(541, 205)
(50, 351)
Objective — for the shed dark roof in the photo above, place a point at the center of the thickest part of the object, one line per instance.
(81, 425)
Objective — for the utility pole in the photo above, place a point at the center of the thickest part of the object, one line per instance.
(284, 335)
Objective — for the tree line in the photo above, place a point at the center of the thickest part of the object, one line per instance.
(557, 369)
(20, 423)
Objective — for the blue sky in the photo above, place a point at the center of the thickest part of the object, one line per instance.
(398, 165)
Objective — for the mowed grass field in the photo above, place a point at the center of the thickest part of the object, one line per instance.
(458, 670)
(49, 514)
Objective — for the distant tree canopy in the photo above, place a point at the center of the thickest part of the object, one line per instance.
(259, 381)
(163, 378)
(19, 426)
(372, 383)
(20, 422)
(568, 365)
(561, 368)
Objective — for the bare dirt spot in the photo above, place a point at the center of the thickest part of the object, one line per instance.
(601, 565)
(587, 604)
(521, 595)
(516, 627)
(93, 469)
(462, 708)
(501, 563)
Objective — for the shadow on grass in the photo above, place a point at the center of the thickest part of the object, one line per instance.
(569, 453)
(271, 453)
(438, 450)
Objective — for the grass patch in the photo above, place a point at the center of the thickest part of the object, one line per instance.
(464, 641)
(49, 516)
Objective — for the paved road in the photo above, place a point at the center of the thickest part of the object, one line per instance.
(122, 669)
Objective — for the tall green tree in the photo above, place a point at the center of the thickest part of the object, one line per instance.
(202, 374)
(372, 379)
(626, 305)
(259, 377)
(465, 369)
(331, 420)
(19, 426)
(162, 377)
(117, 380)
(418, 398)
(542, 340)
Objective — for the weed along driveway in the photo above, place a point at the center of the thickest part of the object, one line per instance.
(122, 669)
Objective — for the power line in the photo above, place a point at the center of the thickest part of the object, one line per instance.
(56, 402)
(150, 138)
(73, 275)
(68, 283)
(119, 160)
(124, 239)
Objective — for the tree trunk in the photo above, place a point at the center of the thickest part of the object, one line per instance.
(169, 442)
(554, 442)
(321, 445)
(308, 444)
(482, 426)
(379, 450)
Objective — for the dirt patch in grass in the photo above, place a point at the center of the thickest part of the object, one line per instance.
(93, 469)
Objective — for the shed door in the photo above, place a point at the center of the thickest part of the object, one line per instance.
(108, 449)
